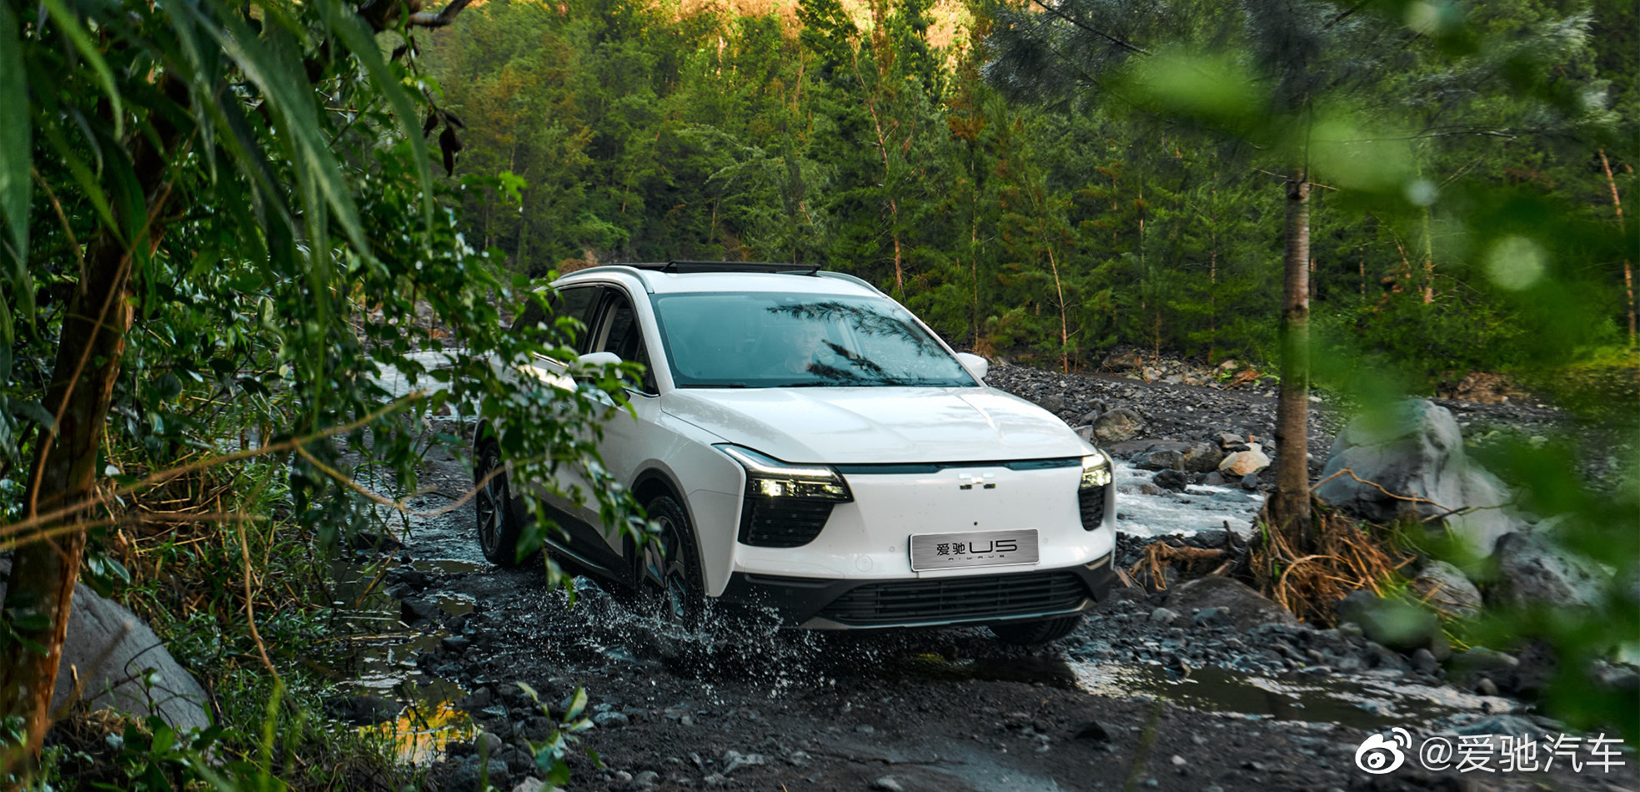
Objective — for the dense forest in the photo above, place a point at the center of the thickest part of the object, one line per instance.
(882, 139)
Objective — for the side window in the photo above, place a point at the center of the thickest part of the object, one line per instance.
(575, 302)
(624, 337)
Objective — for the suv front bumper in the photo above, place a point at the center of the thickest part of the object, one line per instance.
(859, 604)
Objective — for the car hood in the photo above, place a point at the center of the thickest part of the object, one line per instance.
(878, 425)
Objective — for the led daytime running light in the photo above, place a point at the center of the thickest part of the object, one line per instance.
(1095, 471)
(770, 478)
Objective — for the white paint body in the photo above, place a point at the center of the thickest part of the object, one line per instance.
(672, 432)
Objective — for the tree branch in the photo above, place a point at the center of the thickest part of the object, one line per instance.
(1119, 42)
(430, 20)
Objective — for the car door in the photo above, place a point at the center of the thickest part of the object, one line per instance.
(627, 432)
(580, 303)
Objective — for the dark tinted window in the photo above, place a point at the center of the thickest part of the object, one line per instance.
(625, 337)
(775, 340)
(575, 302)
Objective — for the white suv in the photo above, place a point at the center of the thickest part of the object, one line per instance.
(803, 443)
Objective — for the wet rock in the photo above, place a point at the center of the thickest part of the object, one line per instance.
(1393, 623)
(1235, 600)
(1242, 463)
(1202, 458)
(418, 610)
(488, 744)
(1118, 425)
(1416, 451)
(1533, 571)
(735, 760)
(1092, 730)
(887, 784)
(1163, 616)
(1424, 660)
(1162, 459)
(476, 700)
(1172, 480)
(1209, 617)
(1486, 687)
(455, 644)
(1250, 482)
(610, 720)
(1443, 587)
(362, 710)
(1614, 677)
(518, 761)
(1214, 479)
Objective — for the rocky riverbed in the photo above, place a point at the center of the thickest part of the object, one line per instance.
(1203, 686)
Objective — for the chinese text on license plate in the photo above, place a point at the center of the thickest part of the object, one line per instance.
(977, 549)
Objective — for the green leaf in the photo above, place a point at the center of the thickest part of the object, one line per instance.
(577, 703)
(358, 38)
(16, 152)
(81, 39)
(558, 776)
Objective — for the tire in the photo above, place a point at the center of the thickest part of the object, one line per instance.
(498, 527)
(1036, 632)
(666, 569)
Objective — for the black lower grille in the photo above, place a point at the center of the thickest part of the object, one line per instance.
(952, 599)
(784, 522)
(1092, 504)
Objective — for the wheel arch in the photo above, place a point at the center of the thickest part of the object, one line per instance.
(653, 482)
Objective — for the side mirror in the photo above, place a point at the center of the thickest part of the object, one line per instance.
(596, 360)
(975, 364)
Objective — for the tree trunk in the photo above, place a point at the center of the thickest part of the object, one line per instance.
(1628, 268)
(46, 565)
(1291, 511)
(45, 570)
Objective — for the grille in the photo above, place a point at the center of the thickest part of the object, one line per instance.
(1092, 504)
(788, 522)
(949, 599)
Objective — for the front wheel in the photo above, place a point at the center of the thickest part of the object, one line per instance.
(498, 528)
(1036, 632)
(668, 574)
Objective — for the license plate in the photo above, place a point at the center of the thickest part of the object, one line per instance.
(975, 549)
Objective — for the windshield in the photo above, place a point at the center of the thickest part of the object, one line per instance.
(776, 340)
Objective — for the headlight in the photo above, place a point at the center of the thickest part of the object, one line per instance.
(770, 478)
(1095, 471)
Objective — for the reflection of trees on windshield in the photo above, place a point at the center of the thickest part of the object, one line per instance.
(865, 321)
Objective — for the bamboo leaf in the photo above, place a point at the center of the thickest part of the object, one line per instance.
(16, 151)
(358, 38)
(285, 85)
(81, 39)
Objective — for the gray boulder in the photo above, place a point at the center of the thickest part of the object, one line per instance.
(1202, 458)
(1160, 460)
(1232, 599)
(1533, 571)
(1395, 624)
(114, 653)
(1416, 451)
(1172, 480)
(1118, 425)
(1444, 587)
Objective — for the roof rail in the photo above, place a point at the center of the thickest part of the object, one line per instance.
(843, 276)
(676, 266)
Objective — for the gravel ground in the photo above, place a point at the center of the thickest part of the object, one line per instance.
(1153, 692)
